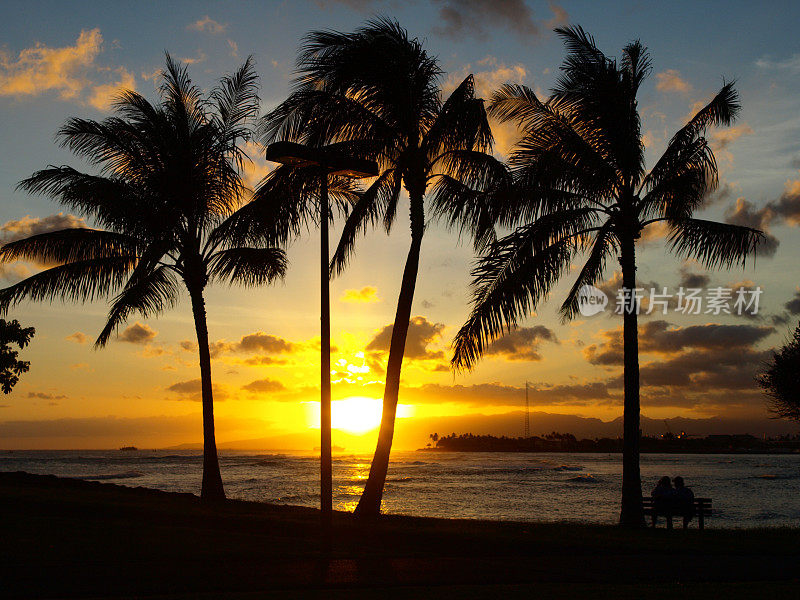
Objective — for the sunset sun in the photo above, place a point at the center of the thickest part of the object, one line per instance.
(356, 414)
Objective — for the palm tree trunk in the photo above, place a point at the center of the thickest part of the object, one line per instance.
(369, 506)
(631, 514)
(212, 490)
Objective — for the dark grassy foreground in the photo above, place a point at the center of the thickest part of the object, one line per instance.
(69, 538)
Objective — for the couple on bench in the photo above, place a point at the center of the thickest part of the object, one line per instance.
(673, 501)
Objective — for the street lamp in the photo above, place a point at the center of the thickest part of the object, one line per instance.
(330, 162)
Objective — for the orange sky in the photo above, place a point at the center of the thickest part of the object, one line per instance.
(143, 388)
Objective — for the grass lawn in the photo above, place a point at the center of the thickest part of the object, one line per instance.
(69, 538)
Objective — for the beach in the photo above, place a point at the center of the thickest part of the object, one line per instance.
(69, 538)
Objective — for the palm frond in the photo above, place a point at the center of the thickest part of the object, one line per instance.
(603, 247)
(77, 281)
(70, 245)
(720, 111)
(460, 125)
(473, 193)
(509, 282)
(248, 266)
(149, 294)
(377, 203)
(713, 244)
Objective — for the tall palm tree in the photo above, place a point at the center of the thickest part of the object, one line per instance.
(377, 92)
(169, 176)
(580, 187)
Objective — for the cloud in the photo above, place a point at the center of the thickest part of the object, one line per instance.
(208, 25)
(27, 226)
(138, 333)
(690, 279)
(193, 60)
(522, 343)
(722, 138)
(15, 271)
(793, 305)
(745, 213)
(262, 386)
(193, 390)
(70, 71)
(421, 333)
(671, 81)
(103, 95)
(265, 342)
(787, 64)
(475, 18)
(499, 394)
(40, 69)
(78, 337)
(365, 295)
(661, 337)
(46, 396)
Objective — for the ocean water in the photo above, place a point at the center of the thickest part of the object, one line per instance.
(747, 490)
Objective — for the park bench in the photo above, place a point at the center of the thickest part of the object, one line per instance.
(702, 509)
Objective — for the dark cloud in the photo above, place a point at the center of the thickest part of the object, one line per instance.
(251, 343)
(662, 338)
(522, 343)
(138, 333)
(745, 213)
(264, 342)
(707, 371)
(46, 396)
(498, 394)
(784, 209)
(793, 305)
(421, 333)
(476, 18)
(266, 385)
(693, 280)
(192, 390)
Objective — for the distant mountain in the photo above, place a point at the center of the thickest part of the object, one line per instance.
(413, 433)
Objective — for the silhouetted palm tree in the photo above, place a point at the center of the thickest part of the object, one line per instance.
(377, 93)
(580, 186)
(169, 175)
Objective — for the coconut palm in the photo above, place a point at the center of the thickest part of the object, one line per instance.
(581, 188)
(377, 92)
(169, 176)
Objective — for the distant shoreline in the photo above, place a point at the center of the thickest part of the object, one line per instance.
(720, 452)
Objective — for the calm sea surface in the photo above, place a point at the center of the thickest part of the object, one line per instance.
(747, 490)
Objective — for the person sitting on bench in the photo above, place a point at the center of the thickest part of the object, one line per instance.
(663, 498)
(684, 501)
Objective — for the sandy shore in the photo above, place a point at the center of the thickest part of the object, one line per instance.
(70, 538)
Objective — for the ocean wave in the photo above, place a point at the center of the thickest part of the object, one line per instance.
(399, 479)
(103, 477)
(567, 468)
(588, 478)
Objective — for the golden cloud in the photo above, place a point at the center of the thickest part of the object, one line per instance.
(69, 71)
(208, 25)
(365, 295)
(78, 337)
(671, 81)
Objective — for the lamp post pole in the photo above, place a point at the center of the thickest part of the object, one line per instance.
(326, 459)
(328, 162)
